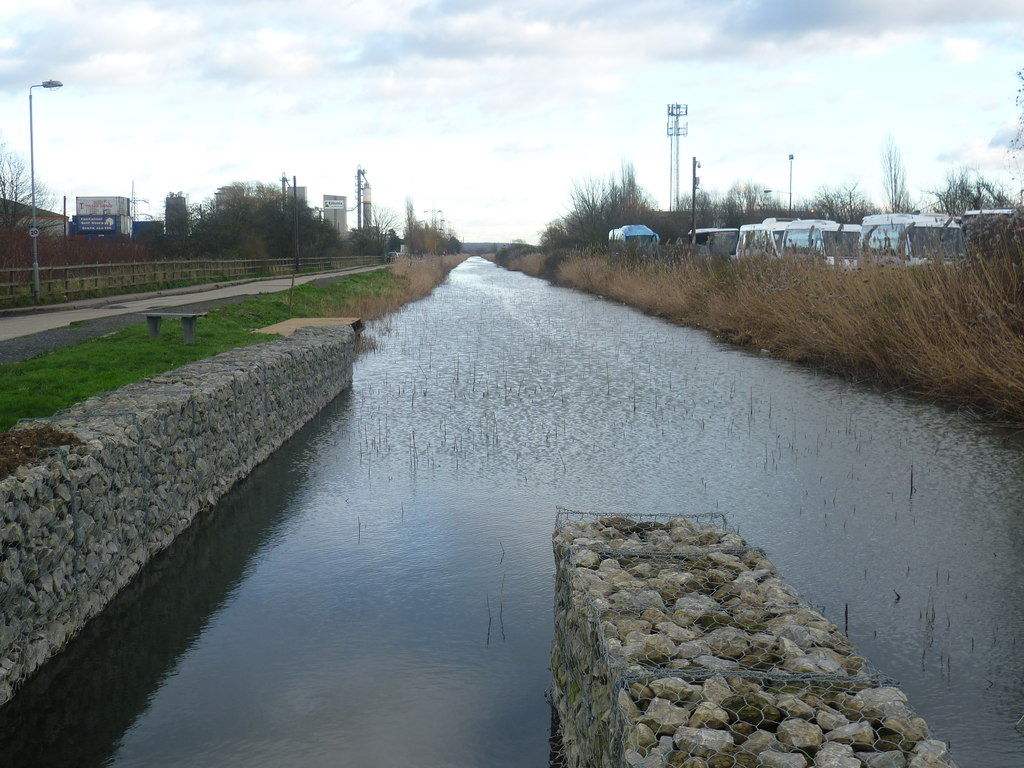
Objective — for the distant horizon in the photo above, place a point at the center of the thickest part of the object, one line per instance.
(488, 113)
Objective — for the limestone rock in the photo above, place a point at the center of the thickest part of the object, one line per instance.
(773, 759)
(800, 734)
(702, 742)
(833, 755)
(859, 735)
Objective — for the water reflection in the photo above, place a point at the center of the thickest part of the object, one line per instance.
(384, 594)
(76, 709)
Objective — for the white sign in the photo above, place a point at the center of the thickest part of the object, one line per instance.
(33, 232)
(335, 204)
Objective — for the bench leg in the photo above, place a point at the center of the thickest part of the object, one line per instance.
(188, 325)
(154, 327)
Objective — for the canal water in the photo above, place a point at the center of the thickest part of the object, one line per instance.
(380, 591)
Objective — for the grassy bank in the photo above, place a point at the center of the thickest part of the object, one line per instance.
(942, 332)
(45, 384)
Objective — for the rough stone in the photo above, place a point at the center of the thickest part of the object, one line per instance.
(833, 755)
(702, 742)
(859, 734)
(882, 759)
(709, 715)
(663, 717)
(773, 759)
(674, 689)
(800, 734)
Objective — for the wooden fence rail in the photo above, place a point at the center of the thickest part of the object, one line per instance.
(64, 283)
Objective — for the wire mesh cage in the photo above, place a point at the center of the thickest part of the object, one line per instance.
(677, 644)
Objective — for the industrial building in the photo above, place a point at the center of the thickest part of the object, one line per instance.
(336, 213)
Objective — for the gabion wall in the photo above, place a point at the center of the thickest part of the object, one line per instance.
(78, 526)
(677, 644)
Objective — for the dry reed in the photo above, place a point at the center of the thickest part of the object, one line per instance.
(954, 333)
(417, 278)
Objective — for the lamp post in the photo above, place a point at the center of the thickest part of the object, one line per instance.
(790, 185)
(34, 232)
(693, 203)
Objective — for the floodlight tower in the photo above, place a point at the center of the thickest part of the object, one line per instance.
(675, 130)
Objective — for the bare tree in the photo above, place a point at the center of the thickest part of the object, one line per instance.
(379, 231)
(15, 189)
(1017, 144)
(589, 217)
(845, 202)
(421, 238)
(894, 177)
(966, 190)
(599, 205)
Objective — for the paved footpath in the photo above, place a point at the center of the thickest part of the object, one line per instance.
(26, 332)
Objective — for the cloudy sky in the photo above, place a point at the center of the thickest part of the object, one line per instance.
(489, 111)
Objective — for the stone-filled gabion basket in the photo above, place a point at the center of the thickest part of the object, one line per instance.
(677, 644)
(76, 527)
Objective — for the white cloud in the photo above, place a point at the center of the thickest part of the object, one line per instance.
(266, 54)
(432, 94)
(962, 50)
(981, 154)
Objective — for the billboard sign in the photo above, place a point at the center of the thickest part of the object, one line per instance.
(97, 206)
(335, 203)
(96, 223)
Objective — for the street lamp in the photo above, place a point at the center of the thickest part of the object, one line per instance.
(693, 203)
(790, 185)
(34, 232)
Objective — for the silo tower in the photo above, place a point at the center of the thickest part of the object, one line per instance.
(367, 204)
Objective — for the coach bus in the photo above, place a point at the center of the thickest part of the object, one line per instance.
(830, 241)
(716, 241)
(764, 239)
(912, 238)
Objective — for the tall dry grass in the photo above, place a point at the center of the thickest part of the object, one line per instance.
(529, 263)
(954, 333)
(416, 279)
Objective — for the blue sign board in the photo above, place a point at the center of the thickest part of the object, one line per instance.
(98, 223)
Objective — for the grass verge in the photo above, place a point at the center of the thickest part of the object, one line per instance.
(951, 333)
(43, 385)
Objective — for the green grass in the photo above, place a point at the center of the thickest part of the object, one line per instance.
(43, 385)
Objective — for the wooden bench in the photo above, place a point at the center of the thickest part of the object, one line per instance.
(188, 323)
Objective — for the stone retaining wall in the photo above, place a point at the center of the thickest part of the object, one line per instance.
(78, 526)
(677, 644)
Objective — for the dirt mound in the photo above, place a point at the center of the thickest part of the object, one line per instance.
(25, 446)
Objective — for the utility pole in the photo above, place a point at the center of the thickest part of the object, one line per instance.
(360, 181)
(284, 192)
(675, 130)
(295, 201)
(790, 185)
(693, 203)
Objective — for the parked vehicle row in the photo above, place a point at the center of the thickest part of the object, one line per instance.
(885, 238)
